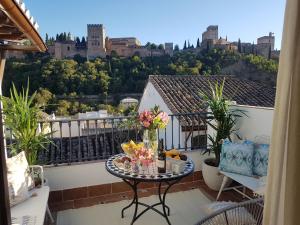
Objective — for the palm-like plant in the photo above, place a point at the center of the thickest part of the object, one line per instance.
(225, 119)
(21, 117)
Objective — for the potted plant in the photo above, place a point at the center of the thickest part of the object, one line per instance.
(224, 126)
(22, 116)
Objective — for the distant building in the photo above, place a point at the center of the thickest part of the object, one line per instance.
(96, 41)
(169, 48)
(127, 102)
(99, 45)
(267, 40)
(93, 114)
(265, 45)
(211, 33)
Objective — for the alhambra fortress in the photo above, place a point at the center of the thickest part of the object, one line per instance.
(100, 45)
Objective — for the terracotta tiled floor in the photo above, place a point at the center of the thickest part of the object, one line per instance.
(210, 194)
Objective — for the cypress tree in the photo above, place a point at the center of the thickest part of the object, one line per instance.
(239, 46)
(46, 39)
(252, 48)
(198, 43)
(184, 46)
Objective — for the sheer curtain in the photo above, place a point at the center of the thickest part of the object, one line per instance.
(282, 200)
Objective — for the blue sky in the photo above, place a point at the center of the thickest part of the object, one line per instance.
(162, 21)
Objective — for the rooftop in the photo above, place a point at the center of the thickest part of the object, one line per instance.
(181, 92)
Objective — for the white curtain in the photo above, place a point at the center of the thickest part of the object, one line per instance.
(282, 200)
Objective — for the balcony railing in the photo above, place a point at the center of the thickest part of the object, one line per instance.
(79, 140)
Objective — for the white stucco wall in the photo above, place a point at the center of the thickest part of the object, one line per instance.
(88, 174)
(257, 122)
(150, 98)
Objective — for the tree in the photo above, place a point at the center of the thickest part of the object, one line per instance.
(252, 48)
(83, 42)
(43, 97)
(198, 43)
(63, 108)
(153, 46)
(147, 45)
(189, 45)
(77, 41)
(160, 46)
(176, 48)
(269, 53)
(184, 46)
(46, 39)
(64, 36)
(239, 46)
(68, 36)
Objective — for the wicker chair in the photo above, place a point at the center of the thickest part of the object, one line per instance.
(245, 213)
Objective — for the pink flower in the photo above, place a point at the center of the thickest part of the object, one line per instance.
(164, 117)
(146, 124)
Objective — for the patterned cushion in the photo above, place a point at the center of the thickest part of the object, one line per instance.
(260, 159)
(237, 158)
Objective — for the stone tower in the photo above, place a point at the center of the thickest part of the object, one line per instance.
(95, 41)
(169, 48)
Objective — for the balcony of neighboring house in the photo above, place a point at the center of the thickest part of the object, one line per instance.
(83, 192)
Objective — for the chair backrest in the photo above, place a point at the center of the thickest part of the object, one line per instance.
(246, 213)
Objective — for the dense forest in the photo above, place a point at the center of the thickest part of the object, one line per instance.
(113, 75)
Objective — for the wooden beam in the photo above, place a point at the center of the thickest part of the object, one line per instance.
(12, 36)
(18, 17)
(5, 216)
(8, 29)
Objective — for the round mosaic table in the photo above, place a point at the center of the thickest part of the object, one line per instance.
(133, 179)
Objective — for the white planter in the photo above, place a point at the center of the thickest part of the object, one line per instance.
(212, 177)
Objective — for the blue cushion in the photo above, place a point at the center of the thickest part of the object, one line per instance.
(260, 159)
(237, 158)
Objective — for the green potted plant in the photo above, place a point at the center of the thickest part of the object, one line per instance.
(22, 116)
(223, 126)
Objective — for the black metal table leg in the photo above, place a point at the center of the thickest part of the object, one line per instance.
(162, 201)
(135, 200)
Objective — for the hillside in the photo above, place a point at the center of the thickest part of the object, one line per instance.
(244, 70)
(76, 78)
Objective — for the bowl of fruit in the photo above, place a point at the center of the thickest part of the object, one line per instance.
(175, 154)
(130, 147)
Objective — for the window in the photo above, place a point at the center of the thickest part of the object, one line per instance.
(199, 142)
(68, 48)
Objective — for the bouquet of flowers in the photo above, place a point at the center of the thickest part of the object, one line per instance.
(153, 119)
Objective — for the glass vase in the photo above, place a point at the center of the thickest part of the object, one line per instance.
(150, 139)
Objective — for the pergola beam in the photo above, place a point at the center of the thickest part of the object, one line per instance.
(5, 217)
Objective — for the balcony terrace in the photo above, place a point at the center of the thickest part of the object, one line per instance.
(82, 189)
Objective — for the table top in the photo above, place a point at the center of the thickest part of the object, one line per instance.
(144, 177)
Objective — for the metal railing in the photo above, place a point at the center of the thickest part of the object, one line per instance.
(79, 140)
